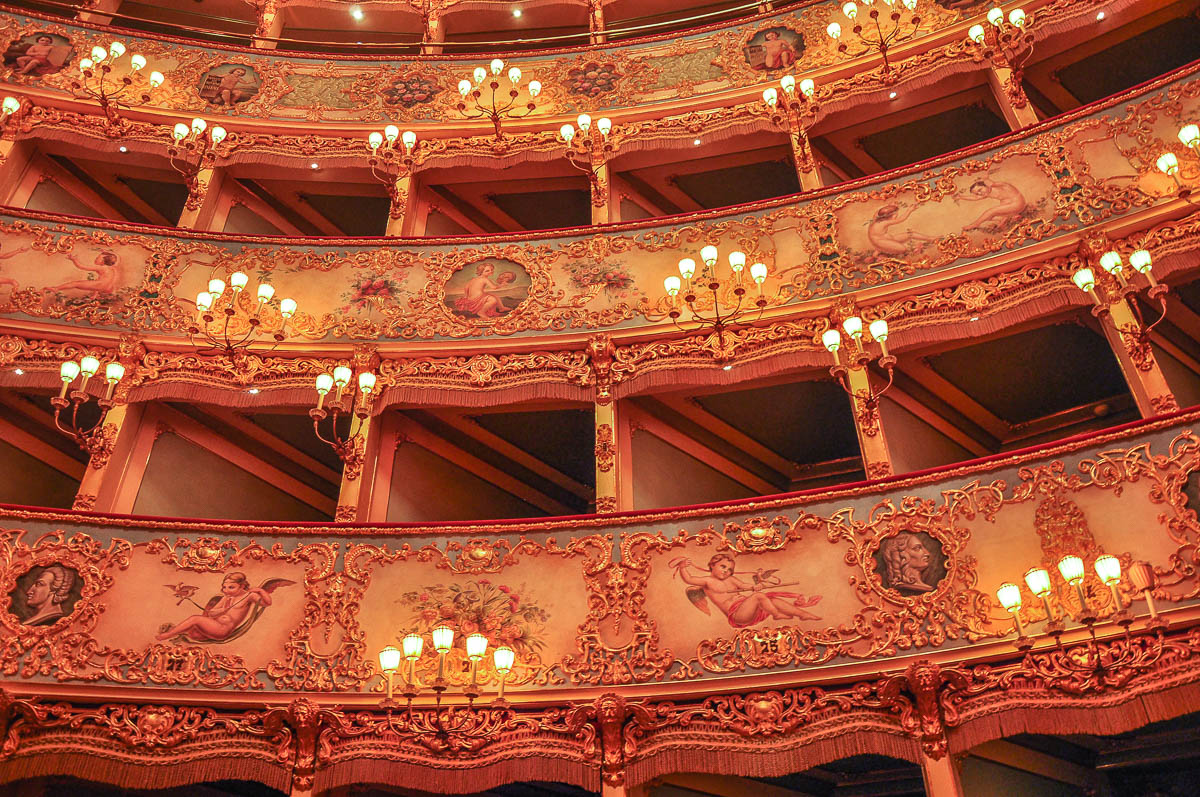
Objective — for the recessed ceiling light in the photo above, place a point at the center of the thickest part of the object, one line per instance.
(253, 391)
(516, 12)
(696, 142)
(315, 165)
(357, 13)
(974, 318)
(123, 148)
(727, 368)
(1100, 15)
(19, 371)
(892, 95)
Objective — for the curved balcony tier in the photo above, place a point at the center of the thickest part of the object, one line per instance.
(706, 69)
(775, 630)
(978, 242)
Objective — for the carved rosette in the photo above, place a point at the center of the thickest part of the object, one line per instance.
(606, 449)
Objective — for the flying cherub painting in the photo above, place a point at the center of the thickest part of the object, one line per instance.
(226, 616)
(743, 604)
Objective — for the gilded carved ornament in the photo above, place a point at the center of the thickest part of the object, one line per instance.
(829, 267)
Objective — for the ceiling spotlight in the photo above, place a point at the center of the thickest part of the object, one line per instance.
(727, 368)
(123, 148)
(696, 142)
(892, 95)
(357, 13)
(1100, 15)
(315, 165)
(19, 371)
(974, 318)
(253, 391)
(516, 12)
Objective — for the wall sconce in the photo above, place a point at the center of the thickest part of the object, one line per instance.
(728, 294)
(588, 149)
(1006, 43)
(1168, 162)
(1116, 278)
(497, 105)
(11, 111)
(795, 113)
(96, 80)
(191, 151)
(390, 162)
(91, 438)
(349, 447)
(240, 318)
(857, 359)
(1072, 570)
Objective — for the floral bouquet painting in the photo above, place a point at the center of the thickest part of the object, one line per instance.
(497, 611)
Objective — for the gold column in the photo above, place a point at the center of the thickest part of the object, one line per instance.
(1006, 86)
(15, 157)
(601, 194)
(203, 189)
(806, 165)
(877, 460)
(596, 22)
(435, 34)
(610, 458)
(941, 776)
(100, 12)
(403, 201)
(270, 25)
(106, 467)
(1136, 358)
(358, 475)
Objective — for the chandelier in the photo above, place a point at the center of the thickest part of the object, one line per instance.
(488, 101)
(96, 80)
(1168, 162)
(229, 323)
(883, 30)
(727, 304)
(794, 113)
(89, 437)
(348, 447)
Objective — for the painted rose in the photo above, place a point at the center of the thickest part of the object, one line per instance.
(478, 606)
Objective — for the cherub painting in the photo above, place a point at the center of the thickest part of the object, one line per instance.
(9, 281)
(226, 616)
(883, 235)
(487, 295)
(910, 562)
(743, 604)
(100, 276)
(774, 48)
(38, 54)
(1011, 202)
(229, 84)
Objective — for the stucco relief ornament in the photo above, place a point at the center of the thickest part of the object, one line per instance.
(924, 697)
(612, 729)
(303, 734)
